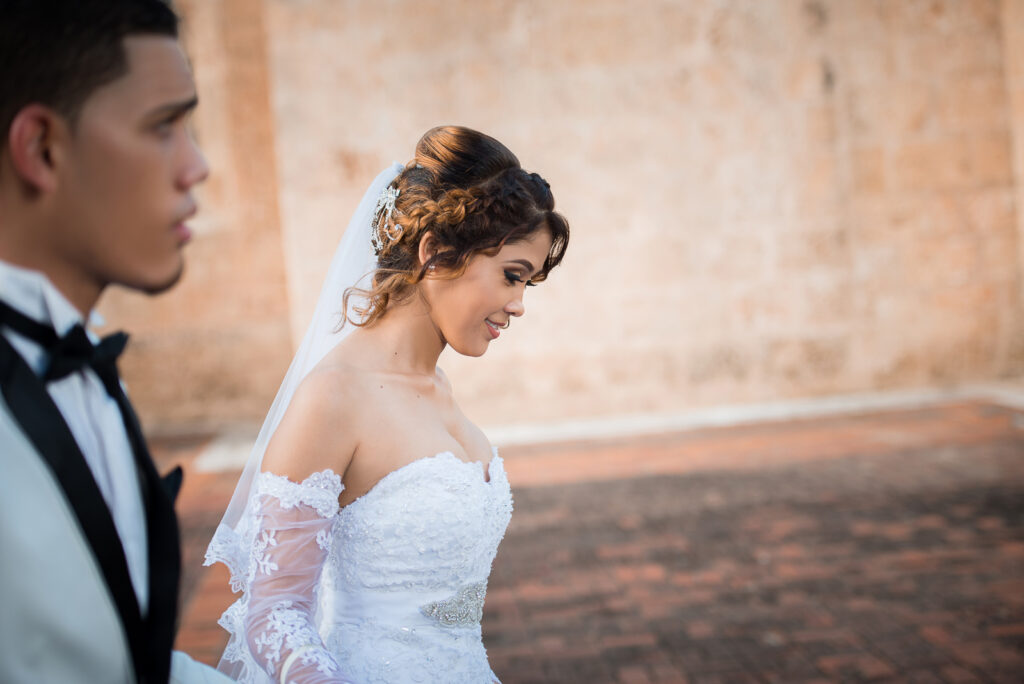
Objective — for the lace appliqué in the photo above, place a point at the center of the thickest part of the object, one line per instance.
(319, 490)
(259, 552)
(465, 608)
(290, 628)
(323, 538)
(236, 547)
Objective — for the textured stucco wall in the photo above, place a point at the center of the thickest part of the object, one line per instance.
(770, 198)
(1013, 58)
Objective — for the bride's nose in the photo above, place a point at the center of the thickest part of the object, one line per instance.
(515, 307)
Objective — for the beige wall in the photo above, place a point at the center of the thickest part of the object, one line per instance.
(770, 198)
(1013, 58)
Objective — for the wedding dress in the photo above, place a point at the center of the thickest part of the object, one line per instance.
(389, 588)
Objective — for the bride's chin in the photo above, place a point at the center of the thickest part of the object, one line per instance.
(469, 350)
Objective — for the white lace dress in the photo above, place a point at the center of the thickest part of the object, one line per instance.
(388, 589)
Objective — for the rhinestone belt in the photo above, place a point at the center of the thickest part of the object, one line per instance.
(465, 607)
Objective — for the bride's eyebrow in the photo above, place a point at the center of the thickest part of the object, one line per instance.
(525, 264)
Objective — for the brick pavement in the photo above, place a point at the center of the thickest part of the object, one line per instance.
(882, 547)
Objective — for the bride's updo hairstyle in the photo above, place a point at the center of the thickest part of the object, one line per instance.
(470, 192)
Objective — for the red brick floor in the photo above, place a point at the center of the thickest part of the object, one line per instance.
(882, 547)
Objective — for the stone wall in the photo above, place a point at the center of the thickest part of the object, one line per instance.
(769, 199)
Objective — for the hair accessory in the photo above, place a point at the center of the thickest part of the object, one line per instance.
(384, 231)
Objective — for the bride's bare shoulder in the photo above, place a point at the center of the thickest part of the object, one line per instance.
(320, 427)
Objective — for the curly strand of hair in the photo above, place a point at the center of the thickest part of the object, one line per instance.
(388, 286)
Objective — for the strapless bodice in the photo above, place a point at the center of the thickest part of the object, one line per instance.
(432, 525)
(403, 572)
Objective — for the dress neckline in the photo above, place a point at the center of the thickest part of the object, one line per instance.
(486, 471)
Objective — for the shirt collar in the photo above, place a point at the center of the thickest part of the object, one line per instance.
(32, 293)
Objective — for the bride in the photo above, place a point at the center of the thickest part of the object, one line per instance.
(363, 528)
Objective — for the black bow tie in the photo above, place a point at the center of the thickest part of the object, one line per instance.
(72, 352)
(75, 351)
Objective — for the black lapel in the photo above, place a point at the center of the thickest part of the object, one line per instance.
(164, 554)
(43, 424)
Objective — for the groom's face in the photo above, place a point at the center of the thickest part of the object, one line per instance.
(130, 167)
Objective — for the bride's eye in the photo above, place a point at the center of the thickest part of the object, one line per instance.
(512, 278)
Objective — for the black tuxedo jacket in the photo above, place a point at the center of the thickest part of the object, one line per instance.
(75, 527)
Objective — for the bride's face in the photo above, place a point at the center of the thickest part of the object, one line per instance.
(470, 311)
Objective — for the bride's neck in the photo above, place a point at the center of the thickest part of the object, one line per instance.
(406, 340)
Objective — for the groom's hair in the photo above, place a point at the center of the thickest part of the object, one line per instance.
(57, 52)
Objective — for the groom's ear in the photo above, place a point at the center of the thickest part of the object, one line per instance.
(31, 140)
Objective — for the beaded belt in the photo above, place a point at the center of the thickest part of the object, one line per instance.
(465, 607)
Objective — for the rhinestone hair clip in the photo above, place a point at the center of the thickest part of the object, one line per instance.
(383, 229)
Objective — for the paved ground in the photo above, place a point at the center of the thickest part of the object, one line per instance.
(885, 547)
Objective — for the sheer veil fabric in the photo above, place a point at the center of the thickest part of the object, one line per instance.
(352, 265)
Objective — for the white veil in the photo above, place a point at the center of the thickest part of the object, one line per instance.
(352, 265)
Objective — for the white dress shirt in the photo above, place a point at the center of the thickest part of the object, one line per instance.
(91, 414)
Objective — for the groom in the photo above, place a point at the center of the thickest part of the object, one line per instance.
(97, 169)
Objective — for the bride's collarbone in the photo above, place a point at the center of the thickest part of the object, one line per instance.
(414, 415)
(403, 420)
(395, 444)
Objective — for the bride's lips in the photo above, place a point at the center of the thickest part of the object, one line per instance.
(183, 232)
(181, 229)
(493, 328)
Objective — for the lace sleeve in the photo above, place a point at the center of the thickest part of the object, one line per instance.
(290, 544)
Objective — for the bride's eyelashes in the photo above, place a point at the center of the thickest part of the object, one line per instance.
(512, 277)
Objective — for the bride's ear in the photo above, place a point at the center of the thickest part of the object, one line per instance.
(428, 247)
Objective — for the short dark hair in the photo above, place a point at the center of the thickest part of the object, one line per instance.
(57, 52)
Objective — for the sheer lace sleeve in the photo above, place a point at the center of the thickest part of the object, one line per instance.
(274, 624)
